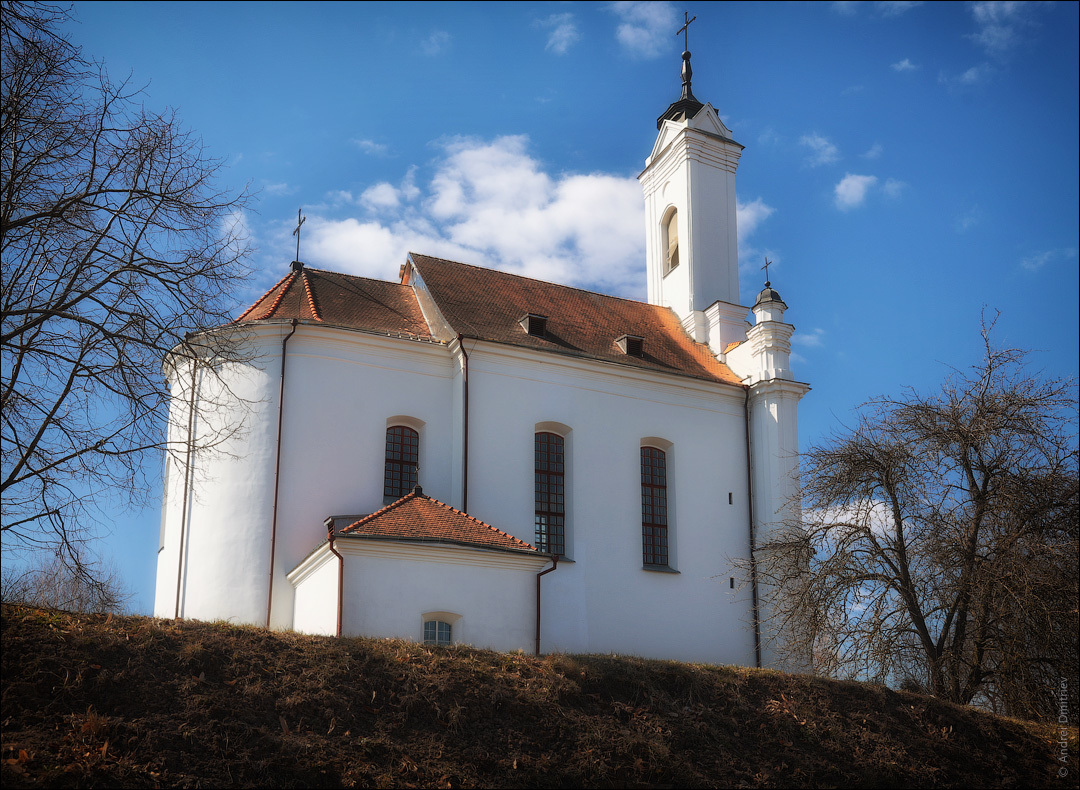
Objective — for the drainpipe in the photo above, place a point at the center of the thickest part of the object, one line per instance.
(187, 481)
(554, 565)
(464, 425)
(341, 571)
(753, 548)
(277, 474)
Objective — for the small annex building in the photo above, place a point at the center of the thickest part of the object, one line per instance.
(523, 465)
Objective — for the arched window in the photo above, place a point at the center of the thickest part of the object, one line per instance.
(402, 462)
(671, 241)
(654, 507)
(550, 489)
(438, 632)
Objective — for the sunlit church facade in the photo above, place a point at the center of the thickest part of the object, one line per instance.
(466, 456)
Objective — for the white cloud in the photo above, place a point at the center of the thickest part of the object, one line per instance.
(279, 189)
(822, 151)
(371, 147)
(873, 152)
(815, 338)
(564, 32)
(1036, 261)
(435, 44)
(883, 8)
(380, 196)
(852, 190)
(749, 215)
(895, 7)
(894, 187)
(1000, 24)
(968, 219)
(904, 65)
(339, 197)
(644, 27)
(768, 136)
(492, 204)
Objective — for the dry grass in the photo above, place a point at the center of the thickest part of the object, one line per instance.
(90, 700)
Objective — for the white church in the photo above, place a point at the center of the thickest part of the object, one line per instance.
(468, 456)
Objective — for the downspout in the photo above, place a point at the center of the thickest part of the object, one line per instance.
(554, 565)
(753, 548)
(464, 425)
(277, 474)
(341, 572)
(187, 484)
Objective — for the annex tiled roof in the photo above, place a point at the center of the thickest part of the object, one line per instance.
(487, 304)
(417, 517)
(341, 300)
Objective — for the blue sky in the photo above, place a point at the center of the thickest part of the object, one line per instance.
(907, 165)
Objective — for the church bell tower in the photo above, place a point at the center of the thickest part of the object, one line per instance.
(691, 237)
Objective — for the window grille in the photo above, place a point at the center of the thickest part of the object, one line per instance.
(550, 469)
(436, 632)
(654, 510)
(402, 461)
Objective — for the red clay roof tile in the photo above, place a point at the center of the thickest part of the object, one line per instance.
(417, 517)
(487, 304)
(342, 300)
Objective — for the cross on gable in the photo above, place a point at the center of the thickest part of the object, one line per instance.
(766, 268)
(296, 232)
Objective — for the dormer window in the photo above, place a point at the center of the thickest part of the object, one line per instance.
(671, 241)
(534, 324)
(632, 345)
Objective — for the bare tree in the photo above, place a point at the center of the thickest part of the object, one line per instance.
(938, 544)
(50, 582)
(116, 244)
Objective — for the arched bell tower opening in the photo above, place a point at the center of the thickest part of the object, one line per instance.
(670, 233)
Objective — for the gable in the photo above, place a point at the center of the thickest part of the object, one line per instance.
(325, 297)
(416, 517)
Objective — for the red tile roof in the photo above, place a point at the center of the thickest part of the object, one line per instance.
(416, 517)
(487, 304)
(342, 300)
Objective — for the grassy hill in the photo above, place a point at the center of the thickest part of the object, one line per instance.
(109, 701)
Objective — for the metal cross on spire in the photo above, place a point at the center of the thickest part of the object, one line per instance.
(299, 221)
(766, 268)
(685, 30)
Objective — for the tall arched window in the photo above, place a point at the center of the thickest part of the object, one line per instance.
(654, 507)
(550, 488)
(402, 462)
(671, 241)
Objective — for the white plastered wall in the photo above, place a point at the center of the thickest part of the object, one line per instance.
(390, 585)
(604, 601)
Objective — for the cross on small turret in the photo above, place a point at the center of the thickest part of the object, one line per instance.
(685, 30)
(299, 221)
(766, 268)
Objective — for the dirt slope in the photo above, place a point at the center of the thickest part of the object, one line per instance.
(96, 701)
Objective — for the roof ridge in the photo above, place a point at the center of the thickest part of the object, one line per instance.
(543, 282)
(311, 297)
(453, 509)
(269, 291)
(383, 509)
